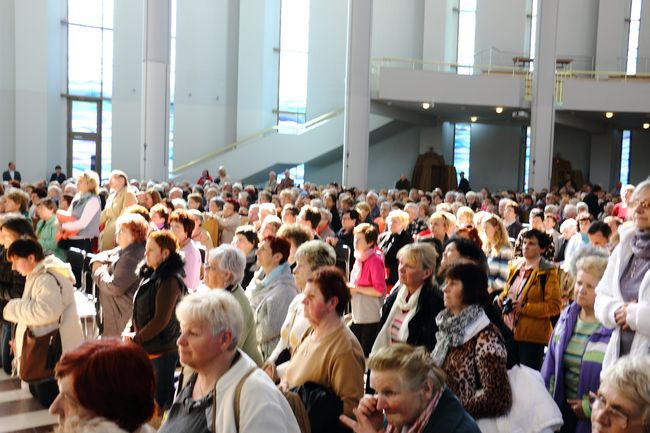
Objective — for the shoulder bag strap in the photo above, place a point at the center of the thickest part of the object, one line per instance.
(237, 399)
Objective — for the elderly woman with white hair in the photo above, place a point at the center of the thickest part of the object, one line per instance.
(622, 403)
(211, 326)
(623, 294)
(392, 240)
(225, 270)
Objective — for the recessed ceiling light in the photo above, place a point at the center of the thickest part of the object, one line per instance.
(646, 125)
(473, 118)
(609, 114)
(499, 110)
(426, 105)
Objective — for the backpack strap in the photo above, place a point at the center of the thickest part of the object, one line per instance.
(237, 399)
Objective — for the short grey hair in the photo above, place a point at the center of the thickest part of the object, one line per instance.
(317, 253)
(217, 309)
(630, 376)
(582, 207)
(229, 259)
(326, 215)
(639, 189)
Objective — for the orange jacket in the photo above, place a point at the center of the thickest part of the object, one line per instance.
(538, 306)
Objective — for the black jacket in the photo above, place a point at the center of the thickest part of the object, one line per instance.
(6, 176)
(390, 244)
(422, 327)
(144, 303)
(12, 284)
(449, 416)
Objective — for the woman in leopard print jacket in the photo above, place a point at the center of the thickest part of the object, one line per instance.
(469, 348)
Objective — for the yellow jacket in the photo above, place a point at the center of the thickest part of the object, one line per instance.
(539, 303)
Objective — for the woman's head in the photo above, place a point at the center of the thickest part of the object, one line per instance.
(310, 256)
(460, 248)
(590, 271)
(24, 254)
(466, 284)
(14, 227)
(397, 220)
(622, 403)
(46, 208)
(405, 379)
(182, 224)
(273, 251)
(160, 245)
(151, 198)
(225, 267)
(365, 237)
(88, 387)
(131, 228)
(88, 181)
(211, 325)
(16, 200)
(297, 235)
(640, 203)
(417, 264)
(326, 294)
(245, 239)
(495, 233)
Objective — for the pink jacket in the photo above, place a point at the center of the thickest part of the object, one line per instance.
(369, 271)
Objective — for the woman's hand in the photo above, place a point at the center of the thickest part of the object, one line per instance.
(576, 407)
(620, 316)
(363, 424)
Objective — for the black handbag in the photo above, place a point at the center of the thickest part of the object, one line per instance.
(39, 355)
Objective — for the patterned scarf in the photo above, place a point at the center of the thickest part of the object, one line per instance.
(641, 244)
(422, 420)
(451, 330)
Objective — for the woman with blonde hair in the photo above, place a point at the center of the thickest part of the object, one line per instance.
(499, 252)
(119, 199)
(80, 223)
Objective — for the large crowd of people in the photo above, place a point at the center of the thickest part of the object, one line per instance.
(290, 308)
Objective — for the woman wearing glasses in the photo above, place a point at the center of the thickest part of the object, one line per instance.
(623, 294)
(622, 403)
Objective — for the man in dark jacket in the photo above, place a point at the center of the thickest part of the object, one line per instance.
(58, 175)
(11, 174)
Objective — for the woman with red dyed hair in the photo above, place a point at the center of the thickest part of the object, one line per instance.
(91, 399)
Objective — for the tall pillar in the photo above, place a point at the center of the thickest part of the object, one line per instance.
(543, 104)
(356, 130)
(155, 85)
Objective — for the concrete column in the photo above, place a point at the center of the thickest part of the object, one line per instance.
(356, 130)
(543, 104)
(155, 85)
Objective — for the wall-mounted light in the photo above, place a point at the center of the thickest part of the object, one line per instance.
(609, 114)
(473, 118)
(499, 110)
(646, 125)
(426, 105)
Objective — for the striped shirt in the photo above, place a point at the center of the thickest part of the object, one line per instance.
(573, 355)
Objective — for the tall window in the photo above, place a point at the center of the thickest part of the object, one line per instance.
(633, 37)
(90, 85)
(462, 139)
(466, 36)
(297, 173)
(527, 160)
(625, 158)
(533, 33)
(294, 46)
(172, 85)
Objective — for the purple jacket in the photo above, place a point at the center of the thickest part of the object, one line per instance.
(592, 360)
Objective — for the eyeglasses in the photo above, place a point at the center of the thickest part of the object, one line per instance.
(598, 402)
(643, 205)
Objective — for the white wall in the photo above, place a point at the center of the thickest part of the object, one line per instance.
(577, 32)
(206, 78)
(440, 33)
(611, 39)
(495, 156)
(507, 35)
(643, 59)
(397, 28)
(127, 86)
(605, 159)
(393, 156)
(7, 84)
(327, 56)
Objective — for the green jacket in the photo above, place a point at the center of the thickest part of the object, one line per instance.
(46, 232)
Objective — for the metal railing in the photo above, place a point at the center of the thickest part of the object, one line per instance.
(301, 129)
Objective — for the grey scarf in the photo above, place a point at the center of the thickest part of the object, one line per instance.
(451, 330)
